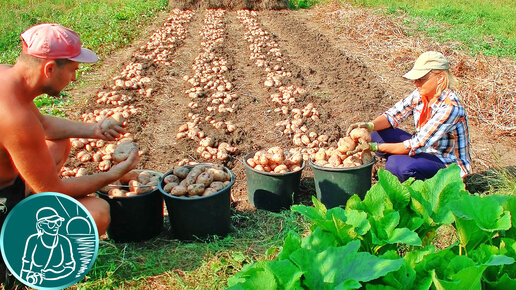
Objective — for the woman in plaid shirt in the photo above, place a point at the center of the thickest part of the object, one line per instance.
(440, 120)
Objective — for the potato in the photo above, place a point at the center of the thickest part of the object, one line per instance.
(251, 162)
(168, 187)
(351, 161)
(219, 174)
(360, 133)
(154, 176)
(123, 150)
(281, 169)
(345, 144)
(217, 185)
(334, 160)
(144, 177)
(178, 190)
(367, 157)
(115, 119)
(320, 155)
(195, 189)
(192, 176)
(117, 192)
(181, 171)
(205, 178)
(131, 193)
(294, 168)
(153, 183)
(131, 175)
(171, 178)
(209, 191)
(136, 186)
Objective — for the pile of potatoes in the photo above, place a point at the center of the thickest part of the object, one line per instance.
(210, 85)
(166, 39)
(275, 160)
(267, 55)
(338, 157)
(197, 180)
(133, 183)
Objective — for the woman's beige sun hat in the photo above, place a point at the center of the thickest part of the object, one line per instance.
(426, 62)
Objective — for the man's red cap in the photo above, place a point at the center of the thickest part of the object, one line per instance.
(53, 41)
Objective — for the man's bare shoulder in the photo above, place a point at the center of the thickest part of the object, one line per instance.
(15, 112)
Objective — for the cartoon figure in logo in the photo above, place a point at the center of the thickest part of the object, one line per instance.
(48, 255)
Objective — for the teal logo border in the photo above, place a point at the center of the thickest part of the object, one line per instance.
(18, 211)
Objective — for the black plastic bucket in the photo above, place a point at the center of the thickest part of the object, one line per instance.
(199, 216)
(334, 186)
(135, 218)
(270, 191)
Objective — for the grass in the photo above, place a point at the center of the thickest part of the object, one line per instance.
(481, 26)
(192, 265)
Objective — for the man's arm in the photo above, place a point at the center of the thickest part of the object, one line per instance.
(58, 128)
(24, 139)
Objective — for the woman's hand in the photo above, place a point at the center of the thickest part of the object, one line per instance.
(368, 125)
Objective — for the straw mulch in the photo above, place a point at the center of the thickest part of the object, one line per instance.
(487, 84)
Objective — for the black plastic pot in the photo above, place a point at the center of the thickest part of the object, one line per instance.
(334, 186)
(135, 218)
(199, 216)
(270, 191)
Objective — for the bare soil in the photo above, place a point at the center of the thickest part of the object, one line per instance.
(343, 86)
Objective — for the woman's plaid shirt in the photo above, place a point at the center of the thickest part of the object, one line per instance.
(445, 135)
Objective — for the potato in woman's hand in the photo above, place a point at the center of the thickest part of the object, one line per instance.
(123, 150)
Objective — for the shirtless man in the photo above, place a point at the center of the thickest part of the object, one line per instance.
(34, 147)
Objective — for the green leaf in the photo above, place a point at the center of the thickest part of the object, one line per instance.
(398, 193)
(337, 265)
(256, 276)
(354, 202)
(291, 244)
(440, 190)
(376, 201)
(406, 276)
(450, 271)
(477, 219)
(384, 231)
(487, 212)
(503, 283)
(358, 219)
(319, 240)
(319, 206)
(510, 206)
(467, 278)
(311, 213)
(287, 274)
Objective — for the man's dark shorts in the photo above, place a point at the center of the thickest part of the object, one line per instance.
(9, 197)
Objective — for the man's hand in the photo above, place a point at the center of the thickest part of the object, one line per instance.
(106, 130)
(364, 146)
(127, 165)
(368, 125)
